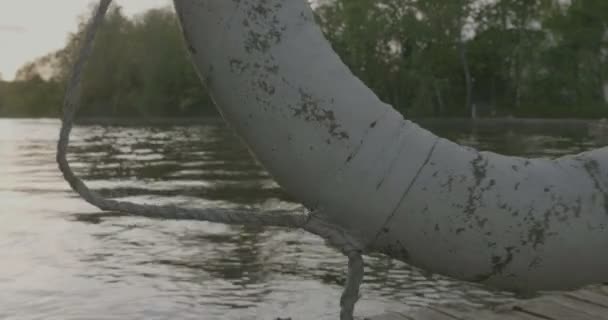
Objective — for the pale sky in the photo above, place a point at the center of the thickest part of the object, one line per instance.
(33, 28)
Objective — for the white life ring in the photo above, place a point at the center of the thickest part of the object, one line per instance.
(513, 223)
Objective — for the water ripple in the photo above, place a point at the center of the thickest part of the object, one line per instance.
(62, 259)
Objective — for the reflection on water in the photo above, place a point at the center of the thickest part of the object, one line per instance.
(62, 259)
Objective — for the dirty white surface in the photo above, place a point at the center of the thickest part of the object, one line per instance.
(510, 222)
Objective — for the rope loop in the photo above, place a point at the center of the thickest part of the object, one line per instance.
(335, 236)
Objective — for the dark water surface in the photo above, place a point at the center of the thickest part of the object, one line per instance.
(62, 259)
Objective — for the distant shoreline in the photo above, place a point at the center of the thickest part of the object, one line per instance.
(123, 121)
(149, 121)
(119, 121)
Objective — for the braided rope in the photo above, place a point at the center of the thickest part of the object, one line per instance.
(335, 236)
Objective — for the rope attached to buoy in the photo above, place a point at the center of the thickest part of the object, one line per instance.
(313, 223)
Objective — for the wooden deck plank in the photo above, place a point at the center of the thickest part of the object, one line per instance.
(588, 304)
(590, 296)
(552, 310)
(599, 312)
(433, 314)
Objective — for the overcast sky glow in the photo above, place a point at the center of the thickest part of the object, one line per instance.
(32, 28)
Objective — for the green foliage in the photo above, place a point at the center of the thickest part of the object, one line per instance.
(32, 98)
(139, 68)
(506, 57)
(533, 58)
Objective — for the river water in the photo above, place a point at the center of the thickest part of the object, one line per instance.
(62, 259)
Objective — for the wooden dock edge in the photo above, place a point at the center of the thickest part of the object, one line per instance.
(586, 304)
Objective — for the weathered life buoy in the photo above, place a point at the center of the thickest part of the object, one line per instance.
(513, 223)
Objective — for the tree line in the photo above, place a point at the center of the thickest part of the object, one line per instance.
(533, 58)
(139, 68)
